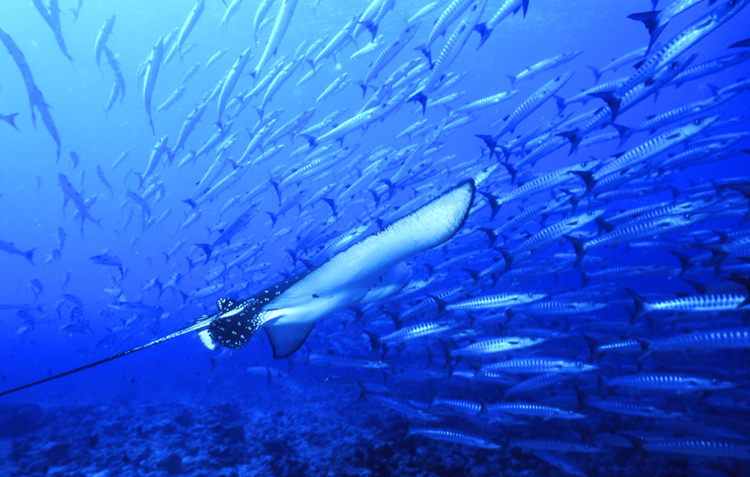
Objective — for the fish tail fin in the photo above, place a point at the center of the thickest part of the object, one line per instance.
(426, 52)
(374, 341)
(273, 219)
(11, 119)
(594, 346)
(745, 282)
(645, 346)
(588, 179)
(624, 131)
(573, 137)
(206, 249)
(490, 141)
(649, 19)
(512, 171)
(363, 392)
(604, 226)
(525, 4)
(612, 101)
(484, 33)
(422, 98)
(332, 204)
(191, 203)
(642, 306)
(578, 246)
(597, 73)
(441, 304)
(506, 152)
(686, 261)
(371, 26)
(494, 204)
(512, 79)
(276, 188)
(506, 256)
(310, 140)
(585, 279)
(29, 255)
(362, 85)
(561, 104)
(652, 24)
(474, 273)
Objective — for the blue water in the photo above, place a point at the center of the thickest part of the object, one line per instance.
(307, 422)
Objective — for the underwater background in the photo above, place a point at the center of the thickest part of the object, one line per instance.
(356, 399)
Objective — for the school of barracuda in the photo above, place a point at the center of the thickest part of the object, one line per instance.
(476, 340)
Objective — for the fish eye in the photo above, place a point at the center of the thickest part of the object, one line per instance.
(688, 216)
(714, 381)
(579, 365)
(584, 164)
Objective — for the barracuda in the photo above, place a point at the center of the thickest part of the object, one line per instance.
(532, 103)
(453, 436)
(692, 447)
(553, 445)
(344, 361)
(669, 382)
(402, 407)
(619, 235)
(497, 345)
(444, 21)
(700, 341)
(490, 302)
(551, 234)
(655, 146)
(543, 183)
(692, 304)
(450, 51)
(675, 47)
(487, 102)
(537, 366)
(506, 9)
(544, 65)
(533, 410)
(280, 26)
(641, 91)
(626, 408)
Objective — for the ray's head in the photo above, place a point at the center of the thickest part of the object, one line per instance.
(237, 322)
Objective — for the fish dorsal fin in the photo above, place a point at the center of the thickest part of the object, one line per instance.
(225, 304)
(286, 339)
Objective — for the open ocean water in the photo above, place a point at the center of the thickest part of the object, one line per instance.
(464, 260)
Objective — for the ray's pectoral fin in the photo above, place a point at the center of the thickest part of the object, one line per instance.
(226, 304)
(232, 331)
(286, 339)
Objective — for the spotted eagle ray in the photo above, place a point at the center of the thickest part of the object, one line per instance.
(288, 310)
